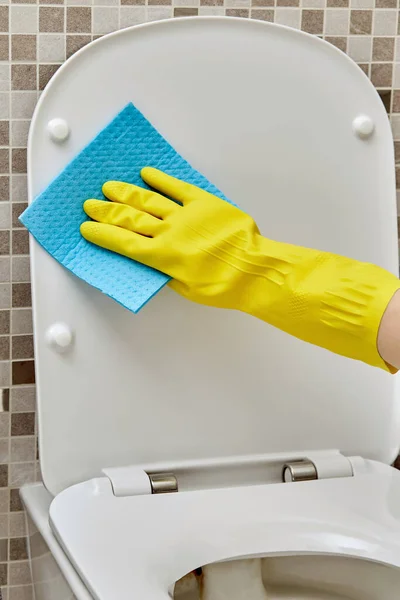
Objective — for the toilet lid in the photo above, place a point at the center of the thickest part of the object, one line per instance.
(184, 382)
(172, 534)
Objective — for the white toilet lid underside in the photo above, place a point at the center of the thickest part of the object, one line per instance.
(137, 547)
(265, 113)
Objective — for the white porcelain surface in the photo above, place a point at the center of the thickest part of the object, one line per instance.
(180, 381)
(53, 575)
(172, 534)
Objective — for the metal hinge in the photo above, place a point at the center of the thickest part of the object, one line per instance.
(231, 472)
(163, 483)
(134, 481)
(301, 470)
(320, 467)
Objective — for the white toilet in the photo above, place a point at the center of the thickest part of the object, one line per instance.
(185, 436)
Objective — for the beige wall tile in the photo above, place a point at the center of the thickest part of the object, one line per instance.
(395, 123)
(4, 105)
(23, 104)
(157, 13)
(180, 2)
(132, 15)
(4, 47)
(21, 473)
(19, 573)
(51, 19)
(21, 295)
(17, 523)
(213, 11)
(4, 160)
(191, 12)
(288, 16)
(4, 520)
(24, 592)
(337, 3)
(338, 42)
(293, 3)
(23, 77)
(46, 72)
(75, 43)
(362, 3)
(385, 22)
(242, 13)
(23, 398)
(19, 188)
(4, 188)
(4, 18)
(23, 18)
(360, 48)
(361, 22)
(22, 321)
(4, 500)
(20, 267)
(5, 372)
(313, 3)
(337, 21)
(5, 215)
(22, 347)
(100, 2)
(5, 425)
(312, 21)
(4, 450)
(17, 209)
(79, 19)
(5, 302)
(396, 76)
(5, 78)
(51, 47)
(23, 449)
(381, 74)
(262, 14)
(3, 551)
(19, 133)
(396, 109)
(105, 19)
(383, 49)
(4, 133)
(5, 270)
(18, 160)
(23, 48)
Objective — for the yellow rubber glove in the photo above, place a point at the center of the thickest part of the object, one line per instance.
(216, 256)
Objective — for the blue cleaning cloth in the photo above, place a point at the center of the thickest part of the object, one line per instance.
(118, 152)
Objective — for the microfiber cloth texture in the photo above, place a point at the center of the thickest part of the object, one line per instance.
(118, 152)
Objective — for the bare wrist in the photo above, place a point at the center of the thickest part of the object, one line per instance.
(389, 333)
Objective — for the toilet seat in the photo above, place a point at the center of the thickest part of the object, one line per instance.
(129, 387)
(172, 534)
(180, 382)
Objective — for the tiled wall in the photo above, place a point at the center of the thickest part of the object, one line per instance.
(35, 38)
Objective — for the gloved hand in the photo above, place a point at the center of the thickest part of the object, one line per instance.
(216, 256)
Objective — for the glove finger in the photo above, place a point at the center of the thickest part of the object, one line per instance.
(121, 241)
(122, 216)
(137, 197)
(169, 186)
